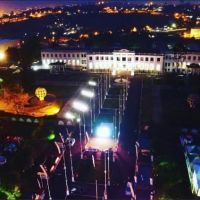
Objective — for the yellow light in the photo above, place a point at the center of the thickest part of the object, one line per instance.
(96, 33)
(41, 93)
(2, 55)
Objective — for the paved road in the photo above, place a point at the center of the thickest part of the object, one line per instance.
(129, 126)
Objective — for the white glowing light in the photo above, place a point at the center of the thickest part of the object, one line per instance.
(80, 106)
(87, 93)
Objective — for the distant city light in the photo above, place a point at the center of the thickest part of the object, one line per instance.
(2, 55)
(173, 25)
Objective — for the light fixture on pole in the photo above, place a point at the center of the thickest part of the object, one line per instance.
(72, 116)
(87, 93)
(81, 107)
(64, 167)
(105, 177)
(90, 94)
(92, 83)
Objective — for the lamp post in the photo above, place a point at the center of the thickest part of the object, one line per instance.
(94, 84)
(105, 177)
(72, 116)
(44, 172)
(81, 107)
(89, 94)
(64, 167)
(108, 168)
(71, 162)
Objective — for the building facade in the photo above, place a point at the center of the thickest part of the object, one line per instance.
(121, 60)
(70, 58)
(179, 62)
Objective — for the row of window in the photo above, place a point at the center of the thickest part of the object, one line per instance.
(183, 57)
(125, 59)
(55, 55)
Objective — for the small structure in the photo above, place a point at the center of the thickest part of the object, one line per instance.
(57, 67)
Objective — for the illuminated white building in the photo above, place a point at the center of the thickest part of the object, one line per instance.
(71, 58)
(125, 60)
(179, 62)
(122, 60)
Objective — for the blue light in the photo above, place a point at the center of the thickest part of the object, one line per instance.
(104, 130)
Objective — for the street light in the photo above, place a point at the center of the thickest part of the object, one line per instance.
(87, 93)
(104, 132)
(92, 83)
(90, 94)
(82, 107)
(72, 116)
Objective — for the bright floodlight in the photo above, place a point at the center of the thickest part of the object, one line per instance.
(92, 83)
(103, 131)
(87, 93)
(70, 115)
(2, 55)
(80, 106)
